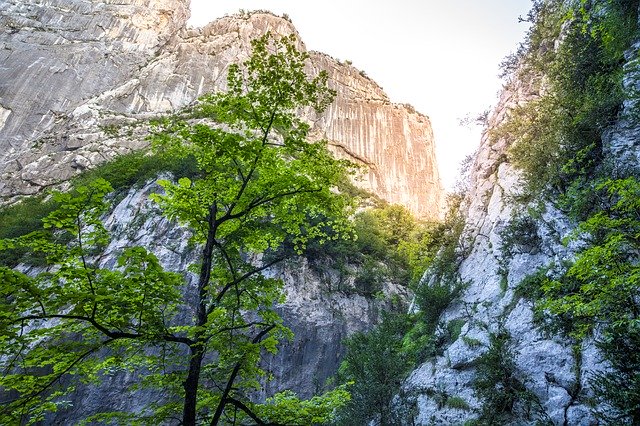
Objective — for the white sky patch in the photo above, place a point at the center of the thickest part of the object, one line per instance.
(441, 56)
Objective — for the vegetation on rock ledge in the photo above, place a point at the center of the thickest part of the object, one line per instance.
(576, 53)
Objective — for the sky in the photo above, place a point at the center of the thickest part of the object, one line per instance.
(441, 56)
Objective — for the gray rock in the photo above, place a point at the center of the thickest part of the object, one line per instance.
(547, 365)
(83, 76)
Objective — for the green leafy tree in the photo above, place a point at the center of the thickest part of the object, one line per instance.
(377, 365)
(258, 182)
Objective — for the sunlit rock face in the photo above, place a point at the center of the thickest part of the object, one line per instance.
(78, 77)
(57, 55)
(393, 140)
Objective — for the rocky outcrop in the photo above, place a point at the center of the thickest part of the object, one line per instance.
(79, 78)
(548, 366)
(57, 55)
(394, 140)
(490, 305)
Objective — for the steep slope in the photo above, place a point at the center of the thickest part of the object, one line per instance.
(152, 63)
(105, 68)
(510, 234)
(319, 318)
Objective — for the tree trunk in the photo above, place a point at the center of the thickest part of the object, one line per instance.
(191, 387)
(197, 349)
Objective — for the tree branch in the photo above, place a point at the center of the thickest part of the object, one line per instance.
(254, 166)
(246, 409)
(33, 395)
(240, 279)
(232, 378)
(108, 333)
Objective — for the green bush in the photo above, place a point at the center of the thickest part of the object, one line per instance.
(123, 172)
(575, 52)
(499, 385)
(127, 171)
(419, 342)
(433, 299)
(390, 245)
(619, 388)
(471, 342)
(457, 403)
(21, 219)
(557, 139)
(377, 364)
(520, 236)
(599, 291)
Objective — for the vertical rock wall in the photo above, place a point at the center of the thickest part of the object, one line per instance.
(319, 317)
(546, 364)
(79, 78)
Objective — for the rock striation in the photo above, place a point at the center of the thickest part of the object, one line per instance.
(78, 81)
(79, 78)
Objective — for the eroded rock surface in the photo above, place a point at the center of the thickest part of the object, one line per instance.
(547, 365)
(78, 79)
(319, 317)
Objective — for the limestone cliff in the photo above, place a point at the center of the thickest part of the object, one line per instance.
(555, 373)
(78, 78)
(320, 318)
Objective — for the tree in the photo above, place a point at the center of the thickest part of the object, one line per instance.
(258, 183)
(376, 363)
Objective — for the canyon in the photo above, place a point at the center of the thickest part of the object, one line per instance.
(80, 81)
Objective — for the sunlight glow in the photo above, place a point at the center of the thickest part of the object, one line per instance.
(440, 56)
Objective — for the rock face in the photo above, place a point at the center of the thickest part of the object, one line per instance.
(320, 318)
(77, 78)
(547, 366)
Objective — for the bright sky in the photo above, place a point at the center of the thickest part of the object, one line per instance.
(441, 56)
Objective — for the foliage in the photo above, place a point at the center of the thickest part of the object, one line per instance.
(392, 235)
(471, 342)
(557, 138)
(520, 235)
(129, 170)
(576, 50)
(21, 219)
(620, 387)
(504, 394)
(250, 187)
(390, 245)
(598, 292)
(379, 360)
(377, 365)
(433, 298)
(602, 283)
(286, 408)
(530, 287)
(123, 172)
(444, 265)
(56, 323)
(457, 403)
